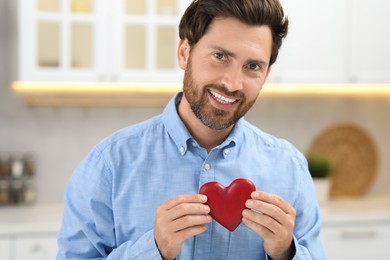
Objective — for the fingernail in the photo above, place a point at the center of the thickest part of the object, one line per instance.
(249, 203)
(203, 198)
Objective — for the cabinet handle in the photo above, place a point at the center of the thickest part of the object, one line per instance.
(108, 78)
(359, 234)
(114, 78)
(38, 252)
(102, 77)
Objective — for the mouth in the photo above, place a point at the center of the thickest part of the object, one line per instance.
(222, 99)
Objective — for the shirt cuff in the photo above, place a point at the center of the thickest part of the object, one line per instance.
(145, 248)
(296, 257)
(300, 252)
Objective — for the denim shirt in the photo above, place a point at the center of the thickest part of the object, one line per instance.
(111, 199)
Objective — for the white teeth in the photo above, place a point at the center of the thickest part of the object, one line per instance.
(222, 99)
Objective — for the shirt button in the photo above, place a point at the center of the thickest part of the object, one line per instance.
(194, 144)
(226, 151)
(182, 149)
(207, 166)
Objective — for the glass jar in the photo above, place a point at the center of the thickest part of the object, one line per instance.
(29, 192)
(4, 192)
(4, 165)
(29, 165)
(16, 192)
(17, 166)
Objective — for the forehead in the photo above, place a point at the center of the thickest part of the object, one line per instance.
(238, 37)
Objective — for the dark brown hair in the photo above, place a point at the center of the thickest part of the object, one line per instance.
(199, 15)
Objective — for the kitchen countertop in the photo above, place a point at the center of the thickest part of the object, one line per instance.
(46, 218)
(31, 219)
(375, 209)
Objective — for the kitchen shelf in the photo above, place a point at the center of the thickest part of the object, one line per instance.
(95, 94)
(158, 94)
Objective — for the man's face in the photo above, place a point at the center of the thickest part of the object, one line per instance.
(225, 71)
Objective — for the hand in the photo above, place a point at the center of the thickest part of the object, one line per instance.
(178, 219)
(273, 219)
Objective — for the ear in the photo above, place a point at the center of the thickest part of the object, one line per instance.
(183, 52)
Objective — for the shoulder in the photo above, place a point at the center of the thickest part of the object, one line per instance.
(122, 145)
(272, 143)
(132, 134)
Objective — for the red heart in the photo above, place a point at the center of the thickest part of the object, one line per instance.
(227, 203)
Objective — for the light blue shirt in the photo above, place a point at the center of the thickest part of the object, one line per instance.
(110, 200)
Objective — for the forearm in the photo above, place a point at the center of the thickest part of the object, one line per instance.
(143, 248)
(301, 252)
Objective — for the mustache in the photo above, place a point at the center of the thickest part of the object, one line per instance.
(225, 91)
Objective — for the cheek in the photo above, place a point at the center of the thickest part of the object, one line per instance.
(207, 71)
(206, 74)
(253, 88)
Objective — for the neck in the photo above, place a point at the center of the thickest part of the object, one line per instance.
(205, 136)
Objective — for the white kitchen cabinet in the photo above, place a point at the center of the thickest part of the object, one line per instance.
(99, 40)
(369, 41)
(356, 229)
(29, 232)
(314, 49)
(34, 248)
(335, 41)
(359, 241)
(5, 248)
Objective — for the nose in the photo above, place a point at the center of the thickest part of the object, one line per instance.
(233, 78)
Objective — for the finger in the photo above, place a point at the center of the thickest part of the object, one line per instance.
(185, 209)
(190, 232)
(272, 240)
(262, 220)
(191, 221)
(187, 198)
(266, 209)
(273, 200)
(262, 231)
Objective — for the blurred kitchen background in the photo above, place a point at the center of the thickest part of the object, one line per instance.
(329, 92)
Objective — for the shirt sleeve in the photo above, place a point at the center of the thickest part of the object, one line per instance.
(88, 228)
(308, 222)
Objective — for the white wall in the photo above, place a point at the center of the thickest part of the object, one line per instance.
(61, 137)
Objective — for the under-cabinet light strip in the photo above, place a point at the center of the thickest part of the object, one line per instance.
(166, 88)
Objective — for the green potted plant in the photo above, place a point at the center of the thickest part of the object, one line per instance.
(320, 169)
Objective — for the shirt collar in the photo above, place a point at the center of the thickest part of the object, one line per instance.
(234, 137)
(174, 125)
(179, 133)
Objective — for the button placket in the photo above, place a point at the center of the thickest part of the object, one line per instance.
(206, 173)
(207, 169)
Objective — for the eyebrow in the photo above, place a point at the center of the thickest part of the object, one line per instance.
(231, 54)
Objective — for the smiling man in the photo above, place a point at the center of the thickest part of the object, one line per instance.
(224, 73)
(135, 196)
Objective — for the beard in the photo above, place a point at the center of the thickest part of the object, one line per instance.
(198, 99)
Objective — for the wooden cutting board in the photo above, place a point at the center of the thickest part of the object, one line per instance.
(352, 155)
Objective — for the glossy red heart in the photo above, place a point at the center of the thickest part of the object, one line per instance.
(227, 203)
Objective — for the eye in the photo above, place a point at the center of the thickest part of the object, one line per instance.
(254, 67)
(219, 56)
